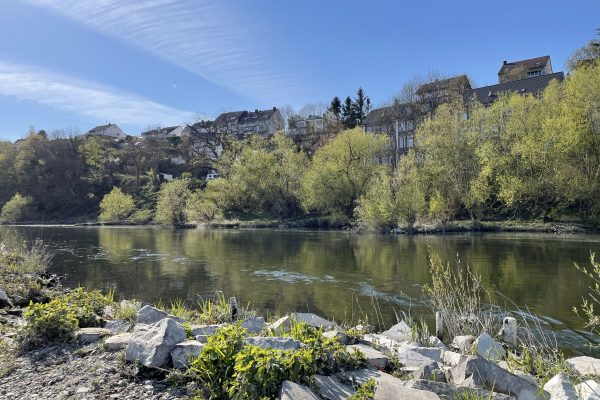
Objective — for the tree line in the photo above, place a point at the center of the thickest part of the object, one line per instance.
(522, 157)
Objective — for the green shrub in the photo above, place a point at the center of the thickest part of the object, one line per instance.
(260, 372)
(58, 319)
(15, 209)
(116, 206)
(214, 367)
(366, 391)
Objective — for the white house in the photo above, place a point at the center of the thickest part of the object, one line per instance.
(111, 130)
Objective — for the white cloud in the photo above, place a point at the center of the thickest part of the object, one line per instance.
(204, 37)
(83, 97)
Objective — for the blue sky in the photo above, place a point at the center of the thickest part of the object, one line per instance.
(79, 63)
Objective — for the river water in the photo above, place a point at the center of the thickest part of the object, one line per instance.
(335, 274)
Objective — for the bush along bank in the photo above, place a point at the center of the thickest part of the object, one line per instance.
(83, 345)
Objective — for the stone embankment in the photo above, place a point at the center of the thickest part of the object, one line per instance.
(105, 363)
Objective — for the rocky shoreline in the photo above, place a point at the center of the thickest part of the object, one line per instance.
(141, 358)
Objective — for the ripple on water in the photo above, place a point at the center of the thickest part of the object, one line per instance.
(369, 290)
(293, 277)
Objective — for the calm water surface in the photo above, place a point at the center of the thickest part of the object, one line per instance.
(335, 274)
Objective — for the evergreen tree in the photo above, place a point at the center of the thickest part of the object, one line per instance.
(362, 106)
(348, 116)
(335, 107)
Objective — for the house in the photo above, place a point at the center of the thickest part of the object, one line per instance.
(212, 175)
(110, 130)
(535, 85)
(440, 91)
(163, 133)
(398, 121)
(517, 70)
(313, 124)
(243, 123)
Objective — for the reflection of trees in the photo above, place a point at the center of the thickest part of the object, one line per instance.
(531, 269)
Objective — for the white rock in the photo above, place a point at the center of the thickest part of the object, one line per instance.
(313, 320)
(118, 326)
(585, 365)
(254, 324)
(389, 387)
(437, 343)
(293, 391)
(91, 335)
(481, 373)
(450, 391)
(282, 325)
(400, 332)
(150, 315)
(588, 390)
(331, 388)
(560, 388)
(382, 343)
(374, 357)
(488, 348)
(463, 343)
(277, 343)
(117, 342)
(182, 352)
(151, 345)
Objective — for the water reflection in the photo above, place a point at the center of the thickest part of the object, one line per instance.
(333, 273)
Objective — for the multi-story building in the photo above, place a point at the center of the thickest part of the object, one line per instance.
(110, 130)
(244, 123)
(529, 68)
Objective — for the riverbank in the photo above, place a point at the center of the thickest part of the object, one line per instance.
(85, 345)
(320, 224)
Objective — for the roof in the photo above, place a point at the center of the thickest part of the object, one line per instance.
(533, 85)
(228, 117)
(530, 63)
(257, 115)
(460, 81)
(100, 128)
(386, 115)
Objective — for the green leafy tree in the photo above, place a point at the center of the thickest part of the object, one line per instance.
(341, 172)
(172, 201)
(116, 206)
(15, 209)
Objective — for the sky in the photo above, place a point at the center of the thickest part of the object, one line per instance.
(75, 64)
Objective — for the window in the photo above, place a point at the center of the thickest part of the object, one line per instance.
(535, 73)
(409, 124)
(409, 142)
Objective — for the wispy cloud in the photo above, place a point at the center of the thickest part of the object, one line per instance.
(204, 37)
(84, 97)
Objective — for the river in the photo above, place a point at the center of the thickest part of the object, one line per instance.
(335, 274)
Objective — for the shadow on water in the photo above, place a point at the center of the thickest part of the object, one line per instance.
(335, 274)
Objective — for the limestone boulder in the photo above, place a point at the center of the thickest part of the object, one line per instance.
(313, 320)
(451, 391)
(254, 324)
(117, 342)
(282, 325)
(400, 332)
(389, 387)
(588, 390)
(375, 358)
(91, 335)
(477, 372)
(150, 315)
(118, 326)
(561, 388)
(151, 345)
(463, 343)
(330, 388)
(430, 372)
(340, 335)
(488, 348)
(181, 353)
(585, 365)
(294, 391)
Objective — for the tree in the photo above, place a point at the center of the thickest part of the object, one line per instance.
(586, 55)
(335, 107)
(348, 116)
(172, 201)
(116, 206)
(341, 172)
(362, 106)
(15, 209)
